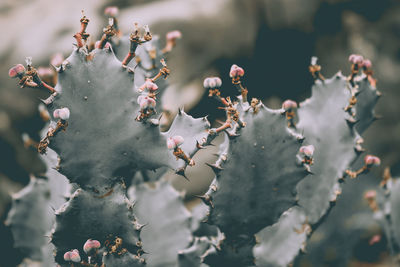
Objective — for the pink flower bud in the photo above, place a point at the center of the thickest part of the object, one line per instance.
(370, 194)
(91, 245)
(212, 83)
(367, 63)
(57, 59)
(17, 70)
(289, 104)
(149, 85)
(173, 35)
(170, 143)
(307, 150)
(175, 141)
(97, 45)
(146, 102)
(62, 113)
(356, 59)
(372, 160)
(111, 11)
(375, 239)
(236, 71)
(72, 255)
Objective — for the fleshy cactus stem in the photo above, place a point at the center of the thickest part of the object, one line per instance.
(62, 123)
(369, 161)
(315, 69)
(236, 73)
(82, 35)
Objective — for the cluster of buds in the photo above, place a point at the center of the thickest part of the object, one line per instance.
(369, 162)
(213, 84)
(147, 107)
(171, 38)
(149, 87)
(29, 77)
(72, 256)
(174, 143)
(305, 156)
(108, 32)
(136, 40)
(112, 12)
(290, 107)
(236, 73)
(147, 100)
(91, 248)
(358, 63)
(82, 36)
(63, 116)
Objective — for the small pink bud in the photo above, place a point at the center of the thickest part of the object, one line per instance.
(372, 160)
(146, 102)
(370, 194)
(17, 70)
(375, 239)
(149, 85)
(111, 11)
(236, 71)
(97, 45)
(212, 82)
(367, 63)
(307, 150)
(175, 141)
(62, 113)
(91, 245)
(57, 59)
(72, 255)
(173, 35)
(289, 104)
(356, 59)
(170, 143)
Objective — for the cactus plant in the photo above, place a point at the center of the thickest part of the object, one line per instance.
(384, 203)
(105, 129)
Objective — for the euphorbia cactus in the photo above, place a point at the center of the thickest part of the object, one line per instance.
(277, 172)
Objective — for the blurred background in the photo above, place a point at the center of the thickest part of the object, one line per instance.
(273, 40)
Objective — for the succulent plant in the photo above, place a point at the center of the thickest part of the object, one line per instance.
(278, 172)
